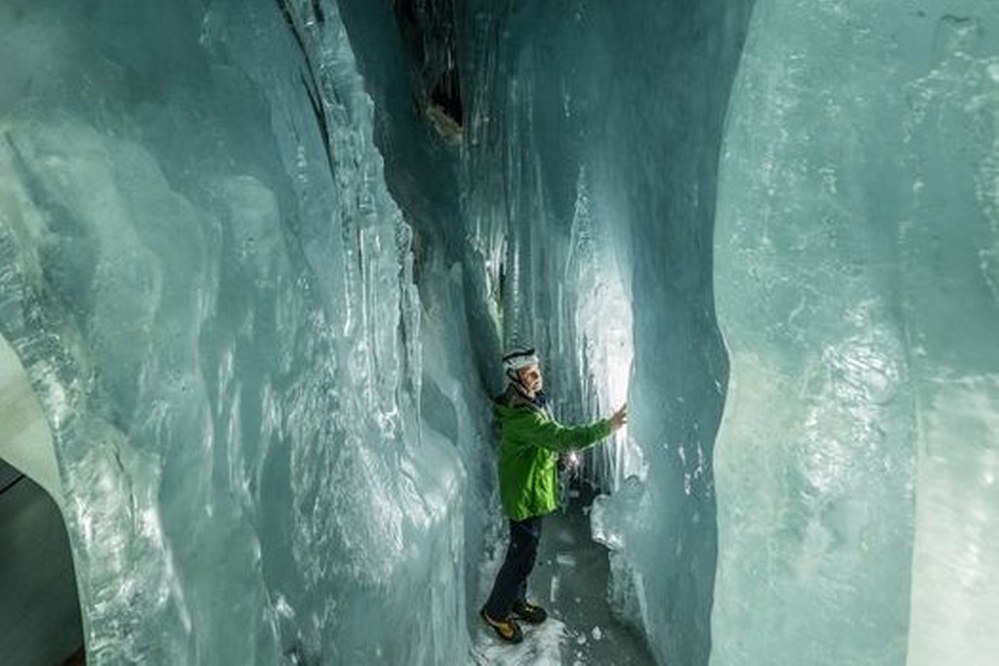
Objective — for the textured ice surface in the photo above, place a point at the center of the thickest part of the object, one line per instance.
(272, 448)
(856, 279)
(593, 140)
(211, 290)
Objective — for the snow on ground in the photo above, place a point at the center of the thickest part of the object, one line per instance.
(542, 646)
(570, 580)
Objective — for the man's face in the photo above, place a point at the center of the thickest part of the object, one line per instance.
(531, 378)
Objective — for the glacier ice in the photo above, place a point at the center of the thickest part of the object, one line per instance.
(593, 141)
(629, 173)
(211, 290)
(855, 249)
(259, 298)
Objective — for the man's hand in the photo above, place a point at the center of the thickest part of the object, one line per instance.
(620, 418)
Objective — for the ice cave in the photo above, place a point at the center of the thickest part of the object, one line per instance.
(259, 261)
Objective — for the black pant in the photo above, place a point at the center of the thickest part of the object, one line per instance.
(511, 581)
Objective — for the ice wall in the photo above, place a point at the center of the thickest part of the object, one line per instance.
(665, 132)
(211, 291)
(402, 55)
(535, 202)
(856, 250)
(273, 448)
(593, 142)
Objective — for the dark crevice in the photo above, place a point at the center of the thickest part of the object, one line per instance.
(318, 112)
(428, 34)
(308, 76)
(317, 11)
(446, 95)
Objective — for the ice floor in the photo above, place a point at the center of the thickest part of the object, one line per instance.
(570, 581)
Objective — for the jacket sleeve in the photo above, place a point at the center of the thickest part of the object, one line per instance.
(554, 436)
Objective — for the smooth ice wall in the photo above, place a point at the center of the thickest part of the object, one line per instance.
(673, 71)
(211, 291)
(856, 249)
(593, 140)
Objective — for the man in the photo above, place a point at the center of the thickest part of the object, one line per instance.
(531, 441)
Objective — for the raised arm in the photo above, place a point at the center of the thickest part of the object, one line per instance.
(539, 431)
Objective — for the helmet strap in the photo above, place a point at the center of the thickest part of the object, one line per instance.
(514, 377)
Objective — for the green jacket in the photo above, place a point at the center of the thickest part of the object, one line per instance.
(530, 441)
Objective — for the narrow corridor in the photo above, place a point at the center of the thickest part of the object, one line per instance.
(570, 581)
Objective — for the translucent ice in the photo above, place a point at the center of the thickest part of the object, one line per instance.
(211, 291)
(855, 245)
(593, 140)
(268, 391)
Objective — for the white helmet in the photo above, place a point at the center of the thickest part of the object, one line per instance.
(519, 358)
